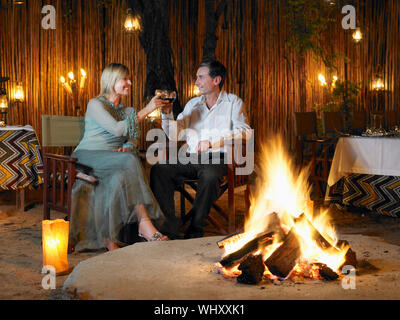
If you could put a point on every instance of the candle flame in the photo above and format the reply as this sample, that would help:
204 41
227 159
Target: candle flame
321 79
19 93
71 75
357 35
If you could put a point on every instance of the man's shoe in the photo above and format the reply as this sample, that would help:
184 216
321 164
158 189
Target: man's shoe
193 232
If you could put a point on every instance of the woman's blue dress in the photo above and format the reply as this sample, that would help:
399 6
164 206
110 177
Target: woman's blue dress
100 211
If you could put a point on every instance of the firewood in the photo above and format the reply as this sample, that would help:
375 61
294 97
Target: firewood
272 226
350 257
230 237
315 234
236 257
252 269
327 273
284 258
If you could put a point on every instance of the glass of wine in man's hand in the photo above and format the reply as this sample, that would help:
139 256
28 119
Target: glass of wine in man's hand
168 95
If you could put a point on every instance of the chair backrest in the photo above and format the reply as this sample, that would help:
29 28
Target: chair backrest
305 123
391 118
331 122
359 121
377 119
62 131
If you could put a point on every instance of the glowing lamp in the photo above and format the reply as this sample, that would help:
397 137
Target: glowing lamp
19 93
196 91
334 79
322 80
357 35
3 101
55 244
83 78
378 85
132 22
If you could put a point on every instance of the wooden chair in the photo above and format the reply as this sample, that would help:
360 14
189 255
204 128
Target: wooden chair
305 125
231 182
391 119
332 124
377 119
59 170
358 122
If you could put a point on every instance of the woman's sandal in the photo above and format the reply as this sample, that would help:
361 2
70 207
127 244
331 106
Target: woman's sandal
157 236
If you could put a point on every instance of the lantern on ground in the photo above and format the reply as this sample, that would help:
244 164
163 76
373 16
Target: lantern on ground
55 244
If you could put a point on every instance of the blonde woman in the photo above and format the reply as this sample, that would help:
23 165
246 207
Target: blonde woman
122 195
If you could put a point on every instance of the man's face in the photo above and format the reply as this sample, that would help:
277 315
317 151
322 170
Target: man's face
204 82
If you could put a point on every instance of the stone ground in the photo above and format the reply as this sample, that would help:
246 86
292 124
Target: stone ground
21 251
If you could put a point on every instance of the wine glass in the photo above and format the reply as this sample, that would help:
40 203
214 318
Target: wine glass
168 95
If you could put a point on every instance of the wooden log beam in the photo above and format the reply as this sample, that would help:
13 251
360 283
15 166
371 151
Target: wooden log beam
272 226
236 257
284 258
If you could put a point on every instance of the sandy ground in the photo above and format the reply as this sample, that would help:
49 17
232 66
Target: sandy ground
21 251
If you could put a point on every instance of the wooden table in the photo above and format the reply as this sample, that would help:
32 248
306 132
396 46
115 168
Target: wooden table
365 173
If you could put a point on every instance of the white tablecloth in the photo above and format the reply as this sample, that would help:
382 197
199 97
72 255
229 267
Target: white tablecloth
26 127
366 155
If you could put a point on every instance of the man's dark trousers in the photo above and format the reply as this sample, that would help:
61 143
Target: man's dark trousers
164 178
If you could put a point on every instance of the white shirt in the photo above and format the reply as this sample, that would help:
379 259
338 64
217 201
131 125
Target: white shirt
226 119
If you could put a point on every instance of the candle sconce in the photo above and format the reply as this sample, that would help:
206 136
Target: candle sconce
73 90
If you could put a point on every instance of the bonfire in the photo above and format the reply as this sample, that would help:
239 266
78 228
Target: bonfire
283 236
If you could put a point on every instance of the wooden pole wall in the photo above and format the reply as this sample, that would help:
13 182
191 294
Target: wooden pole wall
262 69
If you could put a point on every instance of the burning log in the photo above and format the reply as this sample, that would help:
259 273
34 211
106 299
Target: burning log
230 237
236 257
315 234
273 226
327 273
252 269
284 259
351 258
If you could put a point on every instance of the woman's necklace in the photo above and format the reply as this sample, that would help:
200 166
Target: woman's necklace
116 111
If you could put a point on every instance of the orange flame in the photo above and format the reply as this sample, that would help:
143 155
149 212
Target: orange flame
284 189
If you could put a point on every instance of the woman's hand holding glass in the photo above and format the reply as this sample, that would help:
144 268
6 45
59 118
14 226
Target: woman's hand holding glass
162 101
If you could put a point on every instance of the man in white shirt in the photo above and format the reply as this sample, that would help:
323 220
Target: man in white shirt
205 123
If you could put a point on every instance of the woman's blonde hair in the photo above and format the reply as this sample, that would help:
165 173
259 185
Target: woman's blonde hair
110 75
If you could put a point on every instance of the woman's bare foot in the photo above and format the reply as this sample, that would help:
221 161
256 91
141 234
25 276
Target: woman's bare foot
111 245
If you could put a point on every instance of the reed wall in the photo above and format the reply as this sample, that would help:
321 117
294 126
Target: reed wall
262 69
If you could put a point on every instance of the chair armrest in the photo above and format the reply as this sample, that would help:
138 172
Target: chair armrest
59 157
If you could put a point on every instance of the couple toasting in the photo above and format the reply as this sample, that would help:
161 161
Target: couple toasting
123 195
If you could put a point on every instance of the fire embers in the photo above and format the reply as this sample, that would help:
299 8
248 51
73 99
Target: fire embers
300 253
